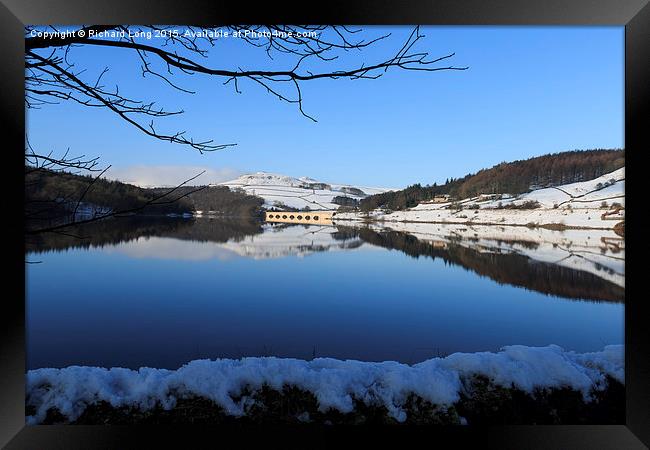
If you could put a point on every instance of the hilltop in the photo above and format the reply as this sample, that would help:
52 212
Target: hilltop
286 192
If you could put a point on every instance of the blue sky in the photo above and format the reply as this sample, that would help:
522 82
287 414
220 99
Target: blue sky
528 91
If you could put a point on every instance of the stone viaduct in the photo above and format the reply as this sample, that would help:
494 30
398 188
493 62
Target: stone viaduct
305 217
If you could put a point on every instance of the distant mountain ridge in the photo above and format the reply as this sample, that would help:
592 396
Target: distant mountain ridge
287 192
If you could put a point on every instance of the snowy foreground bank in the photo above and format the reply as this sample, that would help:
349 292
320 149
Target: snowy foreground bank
335 384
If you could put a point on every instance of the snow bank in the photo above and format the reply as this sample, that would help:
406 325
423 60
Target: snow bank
334 382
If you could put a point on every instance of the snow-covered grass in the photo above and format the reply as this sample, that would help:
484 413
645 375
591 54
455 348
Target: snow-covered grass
297 193
336 384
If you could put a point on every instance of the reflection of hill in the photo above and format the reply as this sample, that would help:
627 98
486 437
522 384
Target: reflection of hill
506 268
281 240
218 230
123 229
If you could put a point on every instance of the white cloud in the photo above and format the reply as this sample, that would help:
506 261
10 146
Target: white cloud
147 176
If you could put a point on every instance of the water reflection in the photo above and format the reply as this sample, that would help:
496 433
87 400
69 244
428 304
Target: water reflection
580 264
119 230
162 292
548 267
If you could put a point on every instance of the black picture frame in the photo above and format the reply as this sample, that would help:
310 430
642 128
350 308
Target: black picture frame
633 14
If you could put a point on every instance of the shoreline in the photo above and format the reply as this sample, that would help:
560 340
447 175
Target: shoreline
548 226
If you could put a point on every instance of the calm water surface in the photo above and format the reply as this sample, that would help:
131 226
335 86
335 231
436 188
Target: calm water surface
162 295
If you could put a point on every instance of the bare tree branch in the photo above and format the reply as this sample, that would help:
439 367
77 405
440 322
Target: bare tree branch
303 42
51 77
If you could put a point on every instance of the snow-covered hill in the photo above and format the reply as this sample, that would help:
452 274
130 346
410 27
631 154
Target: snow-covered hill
298 193
597 203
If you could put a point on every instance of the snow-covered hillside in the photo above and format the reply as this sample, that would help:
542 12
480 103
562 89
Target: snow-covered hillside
298 193
609 188
597 203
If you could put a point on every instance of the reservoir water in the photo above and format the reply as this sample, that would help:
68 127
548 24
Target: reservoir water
162 292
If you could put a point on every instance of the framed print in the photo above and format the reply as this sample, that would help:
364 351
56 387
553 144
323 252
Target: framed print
396 222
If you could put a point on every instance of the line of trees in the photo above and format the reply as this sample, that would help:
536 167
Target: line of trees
219 199
55 197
